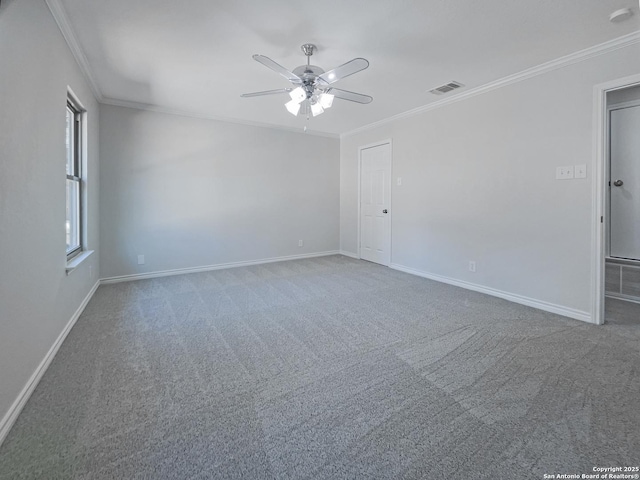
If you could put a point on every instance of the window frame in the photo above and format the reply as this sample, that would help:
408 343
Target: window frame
77 111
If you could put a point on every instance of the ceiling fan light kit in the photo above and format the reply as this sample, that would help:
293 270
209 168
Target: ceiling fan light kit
293 107
326 100
313 89
298 95
316 109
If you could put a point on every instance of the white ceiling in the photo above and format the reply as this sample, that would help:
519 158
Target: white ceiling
195 56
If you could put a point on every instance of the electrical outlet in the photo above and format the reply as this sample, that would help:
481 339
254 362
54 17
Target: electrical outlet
472 266
301 243
564 173
580 171
140 259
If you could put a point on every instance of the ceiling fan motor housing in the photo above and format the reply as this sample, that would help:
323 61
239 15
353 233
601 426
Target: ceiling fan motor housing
308 74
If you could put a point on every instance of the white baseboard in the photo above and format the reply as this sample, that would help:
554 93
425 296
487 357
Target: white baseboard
349 254
621 296
219 266
512 297
12 414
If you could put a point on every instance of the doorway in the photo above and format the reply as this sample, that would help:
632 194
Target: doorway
375 203
617 293
624 178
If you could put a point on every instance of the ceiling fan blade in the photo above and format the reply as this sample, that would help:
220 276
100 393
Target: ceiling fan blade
267 62
266 92
351 96
349 68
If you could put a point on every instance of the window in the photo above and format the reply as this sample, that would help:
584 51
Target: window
74 178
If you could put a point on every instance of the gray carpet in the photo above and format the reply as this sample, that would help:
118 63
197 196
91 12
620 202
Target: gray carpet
326 368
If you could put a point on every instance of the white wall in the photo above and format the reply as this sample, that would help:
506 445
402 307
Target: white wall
189 192
479 184
37 298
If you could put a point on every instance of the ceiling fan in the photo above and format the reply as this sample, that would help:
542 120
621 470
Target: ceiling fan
312 90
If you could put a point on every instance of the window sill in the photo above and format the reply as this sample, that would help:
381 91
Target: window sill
77 260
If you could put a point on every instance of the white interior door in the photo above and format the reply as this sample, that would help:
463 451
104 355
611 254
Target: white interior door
625 183
375 204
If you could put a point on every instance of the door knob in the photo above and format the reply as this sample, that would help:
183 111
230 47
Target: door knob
618 183
385 211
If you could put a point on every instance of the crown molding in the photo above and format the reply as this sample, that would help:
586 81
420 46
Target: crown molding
183 113
576 57
61 18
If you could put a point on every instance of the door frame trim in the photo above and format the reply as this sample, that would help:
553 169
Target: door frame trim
599 189
360 149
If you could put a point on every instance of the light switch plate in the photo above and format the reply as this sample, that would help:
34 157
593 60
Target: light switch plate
564 173
399 181
580 171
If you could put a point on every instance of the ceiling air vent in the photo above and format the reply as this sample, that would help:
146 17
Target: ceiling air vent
446 88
